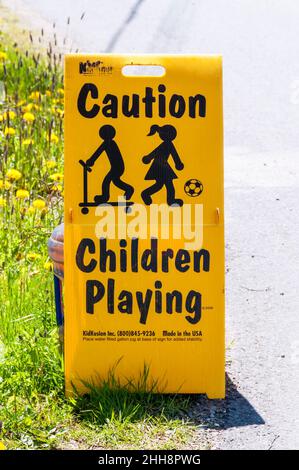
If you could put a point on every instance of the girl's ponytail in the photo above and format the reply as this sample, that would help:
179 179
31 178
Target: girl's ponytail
153 130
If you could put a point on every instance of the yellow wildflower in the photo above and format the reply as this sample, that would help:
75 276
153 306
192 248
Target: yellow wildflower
48 266
60 112
56 187
5 185
13 175
27 108
60 91
2 201
35 95
55 101
9 115
27 142
2 446
57 177
54 138
1 118
20 103
22 193
33 256
3 55
9 131
51 164
30 210
48 93
39 204
29 117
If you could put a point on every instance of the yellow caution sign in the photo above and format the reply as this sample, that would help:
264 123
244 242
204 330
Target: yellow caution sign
144 233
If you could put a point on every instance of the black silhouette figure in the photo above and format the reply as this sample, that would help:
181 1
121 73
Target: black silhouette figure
160 170
107 133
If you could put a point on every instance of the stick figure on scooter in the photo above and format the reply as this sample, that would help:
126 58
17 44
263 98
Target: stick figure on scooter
107 133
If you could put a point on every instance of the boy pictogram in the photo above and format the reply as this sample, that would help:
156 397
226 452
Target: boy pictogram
110 147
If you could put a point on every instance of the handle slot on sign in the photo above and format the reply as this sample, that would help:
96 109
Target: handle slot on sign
143 70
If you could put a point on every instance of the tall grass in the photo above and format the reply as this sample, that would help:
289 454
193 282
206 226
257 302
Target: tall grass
33 410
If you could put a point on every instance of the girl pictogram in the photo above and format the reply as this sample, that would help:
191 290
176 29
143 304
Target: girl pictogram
160 170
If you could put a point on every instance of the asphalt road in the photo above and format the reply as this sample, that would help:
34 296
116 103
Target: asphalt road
259 43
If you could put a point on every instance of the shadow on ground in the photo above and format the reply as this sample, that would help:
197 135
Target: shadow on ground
234 411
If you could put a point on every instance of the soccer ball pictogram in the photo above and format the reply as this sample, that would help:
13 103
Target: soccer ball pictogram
193 188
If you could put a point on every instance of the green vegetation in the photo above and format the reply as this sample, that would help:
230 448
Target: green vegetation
34 412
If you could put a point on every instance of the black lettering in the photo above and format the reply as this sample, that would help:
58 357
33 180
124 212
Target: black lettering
193 305
177 106
134 255
158 297
182 258
170 297
144 304
134 110
94 293
126 306
162 101
85 244
82 98
104 255
110 110
201 100
148 100
149 261
206 260
110 295
165 259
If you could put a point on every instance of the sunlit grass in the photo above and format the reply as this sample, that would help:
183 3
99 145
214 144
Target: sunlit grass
34 412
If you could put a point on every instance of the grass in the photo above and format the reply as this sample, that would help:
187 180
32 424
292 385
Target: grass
34 413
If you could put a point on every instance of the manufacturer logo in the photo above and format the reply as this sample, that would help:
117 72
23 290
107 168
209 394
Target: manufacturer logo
92 68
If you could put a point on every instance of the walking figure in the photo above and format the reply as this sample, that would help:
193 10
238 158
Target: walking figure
107 133
160 170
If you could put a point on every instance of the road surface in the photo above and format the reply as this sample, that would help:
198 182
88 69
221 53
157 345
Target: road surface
259 43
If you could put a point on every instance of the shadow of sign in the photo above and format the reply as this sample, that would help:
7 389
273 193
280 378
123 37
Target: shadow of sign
234 411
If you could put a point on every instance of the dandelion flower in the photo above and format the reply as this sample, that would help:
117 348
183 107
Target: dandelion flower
3 55
31 210
27 142
13 175
2 446
9 115
56 187
48 93
2 202
33 256
20 103
35 95
29 117
60 91
39 204
57 177
9 131
60 112
51 164
54 138
48 266
22 193
1 118
27 108
5 185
